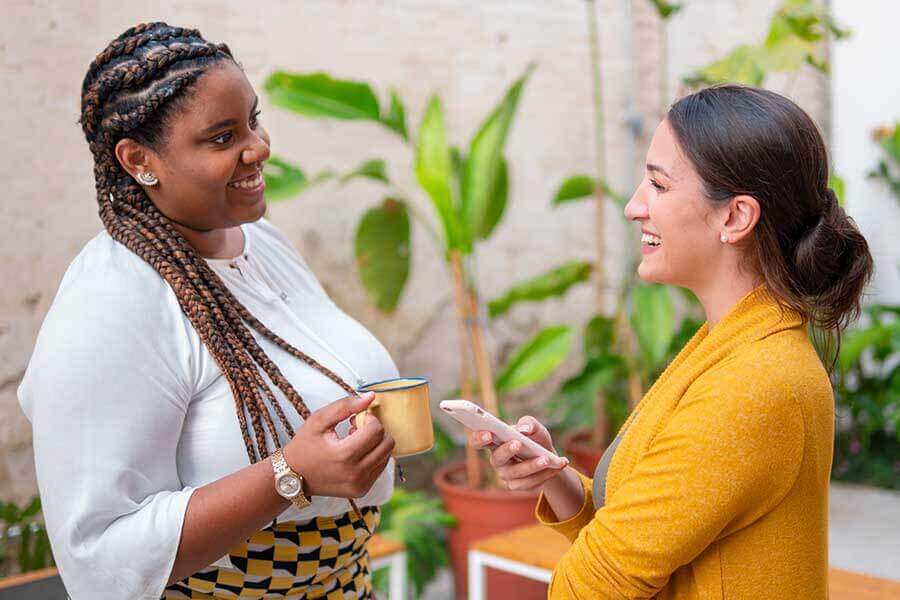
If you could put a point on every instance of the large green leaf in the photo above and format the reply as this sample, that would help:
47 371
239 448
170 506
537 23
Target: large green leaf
383 252
434 169
599 334
855 343
653 321
284 180
372 169
536 359
497 203
319 95
552 283
837 183
395 118
581 187
574 403
484 164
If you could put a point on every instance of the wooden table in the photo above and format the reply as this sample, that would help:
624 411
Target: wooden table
533 552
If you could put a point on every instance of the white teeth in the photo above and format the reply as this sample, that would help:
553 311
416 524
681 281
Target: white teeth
247 184
650 239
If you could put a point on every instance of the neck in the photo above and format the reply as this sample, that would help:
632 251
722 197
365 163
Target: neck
214 243
722 292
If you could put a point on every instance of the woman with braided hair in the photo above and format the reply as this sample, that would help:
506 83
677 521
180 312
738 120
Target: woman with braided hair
191 384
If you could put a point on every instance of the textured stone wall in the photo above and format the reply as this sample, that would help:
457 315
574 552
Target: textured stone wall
467 51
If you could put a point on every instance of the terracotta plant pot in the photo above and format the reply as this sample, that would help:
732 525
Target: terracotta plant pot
479 514
581 450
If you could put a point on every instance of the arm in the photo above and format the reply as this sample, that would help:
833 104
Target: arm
726 456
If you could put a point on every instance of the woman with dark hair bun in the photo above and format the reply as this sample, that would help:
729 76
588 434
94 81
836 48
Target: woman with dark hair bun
191 384
717 484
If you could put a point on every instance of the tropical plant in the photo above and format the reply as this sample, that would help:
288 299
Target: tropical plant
468 191
419 522
795 33
23 538
867 392
888 167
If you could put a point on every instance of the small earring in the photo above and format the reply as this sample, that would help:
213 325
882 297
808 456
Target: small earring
723 237
148 179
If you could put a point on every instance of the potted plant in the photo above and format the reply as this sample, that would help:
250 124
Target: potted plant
468 192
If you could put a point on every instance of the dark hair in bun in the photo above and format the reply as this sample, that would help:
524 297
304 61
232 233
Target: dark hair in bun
749 141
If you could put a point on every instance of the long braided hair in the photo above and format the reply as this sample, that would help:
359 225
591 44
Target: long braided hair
131 90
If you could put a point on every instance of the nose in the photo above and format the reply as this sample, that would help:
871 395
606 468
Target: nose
636 209
258 150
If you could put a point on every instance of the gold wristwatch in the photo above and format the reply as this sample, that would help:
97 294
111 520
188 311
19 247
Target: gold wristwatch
288 484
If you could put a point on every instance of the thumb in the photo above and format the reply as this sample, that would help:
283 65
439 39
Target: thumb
327 417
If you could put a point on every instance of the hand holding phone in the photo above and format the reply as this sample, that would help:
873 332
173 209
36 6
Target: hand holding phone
476 418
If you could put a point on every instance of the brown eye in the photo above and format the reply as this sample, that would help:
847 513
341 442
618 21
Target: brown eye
221 140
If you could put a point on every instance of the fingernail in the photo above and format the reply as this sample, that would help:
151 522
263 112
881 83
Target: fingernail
542 461
485 437
524 428
367 395
515 446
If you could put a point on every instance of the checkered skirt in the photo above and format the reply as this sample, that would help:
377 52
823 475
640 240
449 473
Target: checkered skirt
324 558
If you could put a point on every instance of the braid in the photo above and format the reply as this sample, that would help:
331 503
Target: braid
129 90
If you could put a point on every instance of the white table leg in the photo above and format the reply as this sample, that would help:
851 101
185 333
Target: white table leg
477 576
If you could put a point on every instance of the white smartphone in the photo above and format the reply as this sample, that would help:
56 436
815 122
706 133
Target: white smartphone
476 418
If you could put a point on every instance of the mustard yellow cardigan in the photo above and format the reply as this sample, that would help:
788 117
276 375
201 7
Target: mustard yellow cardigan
719 487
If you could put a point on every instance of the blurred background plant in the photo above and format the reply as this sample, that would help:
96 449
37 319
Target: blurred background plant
24 545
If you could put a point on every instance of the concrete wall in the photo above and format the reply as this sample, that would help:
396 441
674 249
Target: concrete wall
467 51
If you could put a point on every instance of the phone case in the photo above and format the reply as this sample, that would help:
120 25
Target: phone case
476 418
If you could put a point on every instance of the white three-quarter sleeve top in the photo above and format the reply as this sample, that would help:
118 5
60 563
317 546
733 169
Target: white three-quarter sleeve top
131 413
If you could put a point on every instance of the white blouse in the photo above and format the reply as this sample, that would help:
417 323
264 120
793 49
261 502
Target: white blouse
131 412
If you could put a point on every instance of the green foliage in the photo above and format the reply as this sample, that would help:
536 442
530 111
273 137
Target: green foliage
483 168
555 282
318 95
653 321
382 252
867 391
372 169
666 9
581 187
33 546
536 359
419 522
284 180
888 166
794 32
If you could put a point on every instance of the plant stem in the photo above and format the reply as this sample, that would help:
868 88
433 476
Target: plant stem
473 468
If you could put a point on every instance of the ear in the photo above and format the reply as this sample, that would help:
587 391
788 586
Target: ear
134 157
741 217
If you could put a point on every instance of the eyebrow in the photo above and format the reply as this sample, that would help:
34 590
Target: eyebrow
652 167
228 122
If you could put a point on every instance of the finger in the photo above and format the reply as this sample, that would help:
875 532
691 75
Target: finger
378 457
528 425
532 482
365 439
534 429
481 439
505 453
327 417
529 467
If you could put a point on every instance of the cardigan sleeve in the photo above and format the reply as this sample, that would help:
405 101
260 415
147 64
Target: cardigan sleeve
106 391
729 453
573 525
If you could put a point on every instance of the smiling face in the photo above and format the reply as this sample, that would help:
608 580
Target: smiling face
680 244
209 165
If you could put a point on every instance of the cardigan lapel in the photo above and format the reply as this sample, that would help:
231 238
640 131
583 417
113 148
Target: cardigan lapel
756 316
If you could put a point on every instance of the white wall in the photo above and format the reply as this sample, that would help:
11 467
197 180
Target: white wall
865 92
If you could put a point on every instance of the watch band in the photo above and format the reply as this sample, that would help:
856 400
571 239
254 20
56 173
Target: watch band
282 468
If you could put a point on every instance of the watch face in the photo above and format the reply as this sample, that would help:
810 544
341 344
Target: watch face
289 485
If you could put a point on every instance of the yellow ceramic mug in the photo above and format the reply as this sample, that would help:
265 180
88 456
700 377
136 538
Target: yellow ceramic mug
402 405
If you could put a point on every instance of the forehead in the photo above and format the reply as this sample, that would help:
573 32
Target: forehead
222 92
665 152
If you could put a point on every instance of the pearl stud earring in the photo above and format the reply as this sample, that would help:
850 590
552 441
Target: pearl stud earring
723 237
148 179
